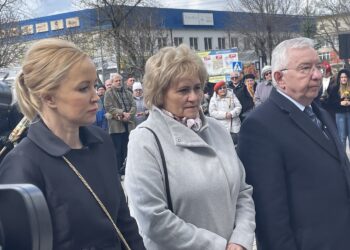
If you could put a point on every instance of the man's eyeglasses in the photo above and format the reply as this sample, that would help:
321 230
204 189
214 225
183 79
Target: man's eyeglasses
306 69
234 77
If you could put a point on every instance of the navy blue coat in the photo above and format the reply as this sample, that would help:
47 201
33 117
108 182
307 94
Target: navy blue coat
300 178
78 221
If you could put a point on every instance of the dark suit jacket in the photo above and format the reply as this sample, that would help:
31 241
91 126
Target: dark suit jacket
300 178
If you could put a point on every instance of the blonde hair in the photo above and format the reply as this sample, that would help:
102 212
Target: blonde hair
168 66
45 65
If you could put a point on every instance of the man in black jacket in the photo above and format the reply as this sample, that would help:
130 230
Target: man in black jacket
294 159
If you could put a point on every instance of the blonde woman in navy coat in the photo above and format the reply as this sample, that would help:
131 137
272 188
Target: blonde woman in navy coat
56 91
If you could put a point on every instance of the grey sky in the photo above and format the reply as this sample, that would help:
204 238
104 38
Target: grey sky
50 7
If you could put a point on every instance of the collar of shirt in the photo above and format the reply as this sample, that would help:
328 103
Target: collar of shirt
300 106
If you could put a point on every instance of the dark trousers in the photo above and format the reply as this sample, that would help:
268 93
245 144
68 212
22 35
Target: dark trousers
120 141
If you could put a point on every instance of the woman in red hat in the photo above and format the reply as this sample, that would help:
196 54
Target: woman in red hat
225 107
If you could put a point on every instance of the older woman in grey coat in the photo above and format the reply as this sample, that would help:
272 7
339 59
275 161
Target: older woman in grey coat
212 206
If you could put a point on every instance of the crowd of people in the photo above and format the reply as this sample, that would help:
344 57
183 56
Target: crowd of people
206 165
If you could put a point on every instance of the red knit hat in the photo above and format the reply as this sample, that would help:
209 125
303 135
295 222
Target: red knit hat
218 85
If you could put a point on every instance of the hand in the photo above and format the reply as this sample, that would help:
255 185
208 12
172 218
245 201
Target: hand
233 246
228 115
139 114
344 103
126 116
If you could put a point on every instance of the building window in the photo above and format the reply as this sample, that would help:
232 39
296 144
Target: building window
221 43
247 43
178 41
234 42
207 43
325 56
194 43
161 41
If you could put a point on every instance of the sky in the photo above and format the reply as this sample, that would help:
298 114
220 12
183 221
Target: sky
50 7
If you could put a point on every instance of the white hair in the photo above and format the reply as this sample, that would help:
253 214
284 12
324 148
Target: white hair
280 56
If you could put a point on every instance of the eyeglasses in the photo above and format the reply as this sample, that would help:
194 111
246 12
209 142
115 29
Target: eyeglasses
306 69
268 73
234 77
138 90
222 88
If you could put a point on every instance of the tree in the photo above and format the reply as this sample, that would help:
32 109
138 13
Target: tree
308 25
267 23
133 31
333 19
10 47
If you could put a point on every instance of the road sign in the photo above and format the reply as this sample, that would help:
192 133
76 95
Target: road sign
237 66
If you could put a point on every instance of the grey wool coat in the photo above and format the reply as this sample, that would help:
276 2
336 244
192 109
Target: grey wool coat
212 203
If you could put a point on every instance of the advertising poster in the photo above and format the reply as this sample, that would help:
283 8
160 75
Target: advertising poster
72 22
56 25
41 27
27 29
219 62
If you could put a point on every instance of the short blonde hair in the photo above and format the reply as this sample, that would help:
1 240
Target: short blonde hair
46 63
167 67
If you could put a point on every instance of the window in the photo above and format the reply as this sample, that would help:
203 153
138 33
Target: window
178 41
247 44
194 43
161 41
325 56
234 42
207 43
221 43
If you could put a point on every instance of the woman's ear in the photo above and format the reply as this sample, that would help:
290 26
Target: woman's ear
49 100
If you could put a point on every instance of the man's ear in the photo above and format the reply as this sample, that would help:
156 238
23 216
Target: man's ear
278 75
49 100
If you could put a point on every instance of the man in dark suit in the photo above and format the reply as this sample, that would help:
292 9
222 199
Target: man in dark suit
294 159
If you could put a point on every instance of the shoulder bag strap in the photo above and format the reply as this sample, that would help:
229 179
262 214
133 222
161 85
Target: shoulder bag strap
104 209
167 188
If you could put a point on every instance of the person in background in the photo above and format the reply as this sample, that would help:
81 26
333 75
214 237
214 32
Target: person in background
141 110
108 84
210 205
129 83
328 82
120 108
264 88
235 84
245 95
56 91
339 101
101 120
294 159
225 107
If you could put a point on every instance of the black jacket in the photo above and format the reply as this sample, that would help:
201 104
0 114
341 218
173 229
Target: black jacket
78 221
300 178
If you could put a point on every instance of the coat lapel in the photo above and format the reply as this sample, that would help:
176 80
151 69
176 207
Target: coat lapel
304 123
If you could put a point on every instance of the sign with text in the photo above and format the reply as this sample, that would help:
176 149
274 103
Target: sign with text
219 62
72 22
190 18
41 27
27 29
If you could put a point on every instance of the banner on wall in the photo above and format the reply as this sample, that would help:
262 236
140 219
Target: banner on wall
219 62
